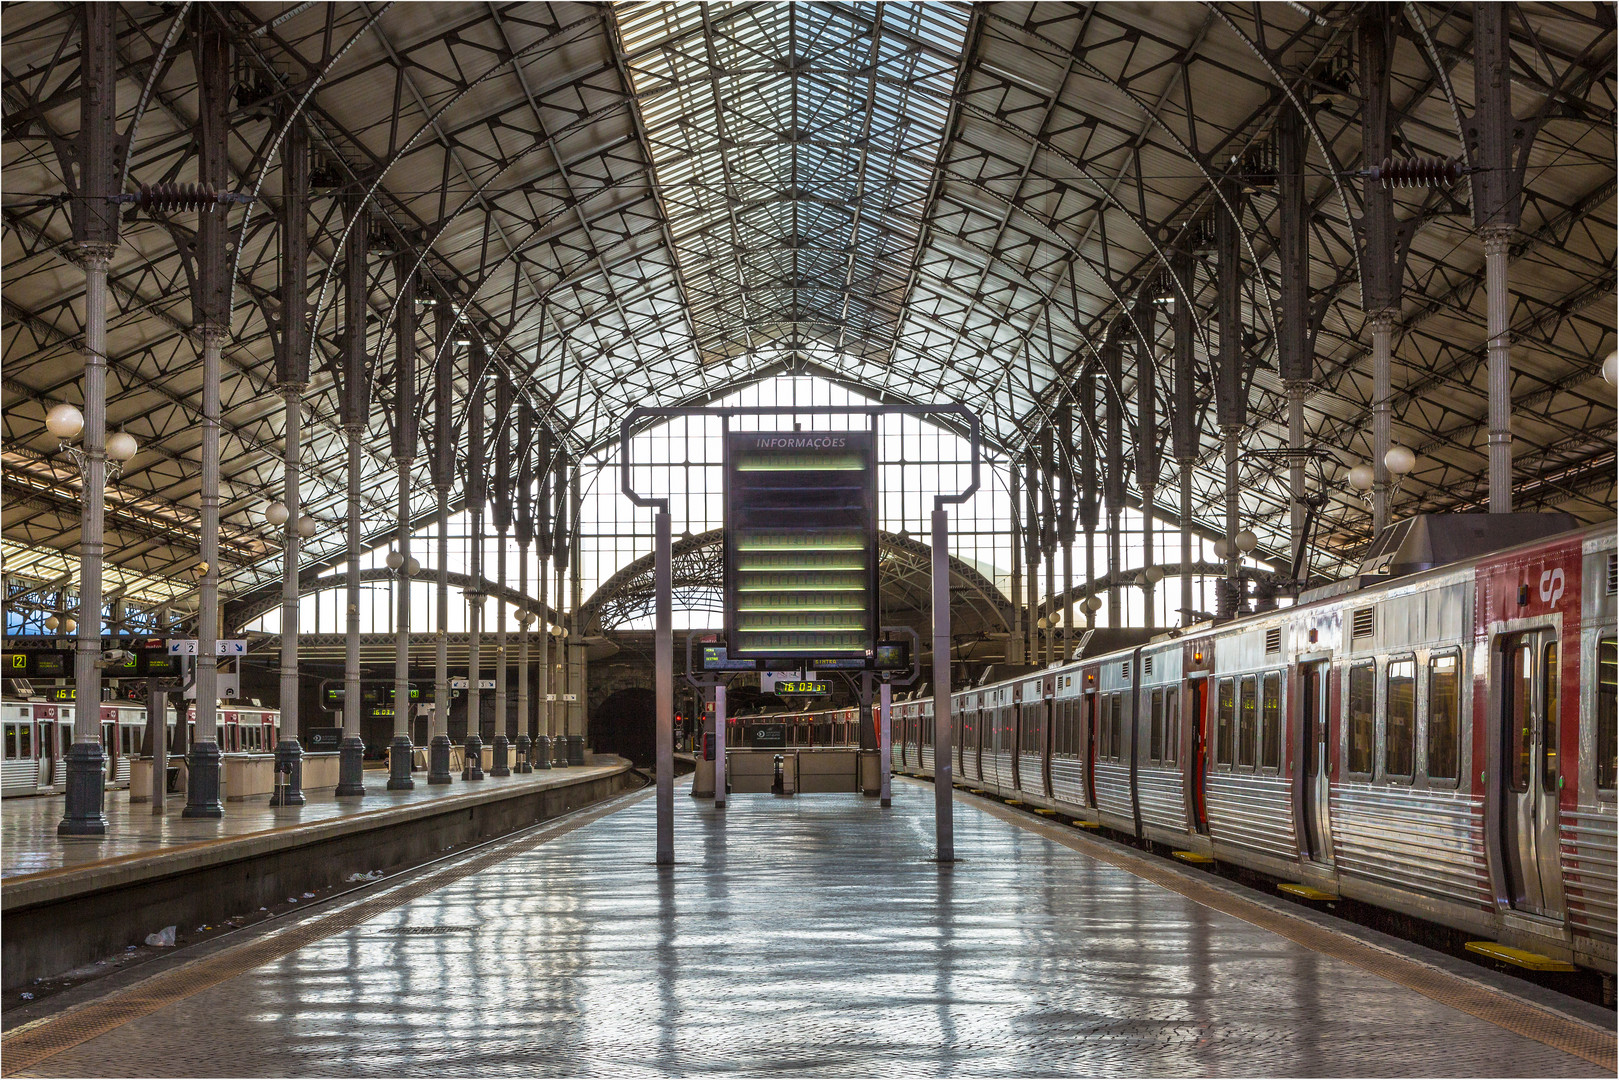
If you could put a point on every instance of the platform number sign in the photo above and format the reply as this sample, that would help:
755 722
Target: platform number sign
801 545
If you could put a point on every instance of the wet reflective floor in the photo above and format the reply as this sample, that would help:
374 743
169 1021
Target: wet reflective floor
804 936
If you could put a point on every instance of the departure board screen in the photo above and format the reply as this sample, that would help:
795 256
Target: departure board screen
801 545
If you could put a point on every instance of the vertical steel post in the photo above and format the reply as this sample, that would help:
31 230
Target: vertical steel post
1147 444
212 56
292 373
1088 506
1382 324
943 781
401 748
1183 418
443 473
1113 478
543 752
1293 335
1048 541
885 700
474 486
1031 544
578 684
1380 270
525 539
504 426
95 235
1497 144
1229 400
719 745
663 663
1065 523
1014 642
356 408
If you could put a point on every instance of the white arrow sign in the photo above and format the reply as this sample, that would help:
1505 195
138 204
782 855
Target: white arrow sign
182 646
231 647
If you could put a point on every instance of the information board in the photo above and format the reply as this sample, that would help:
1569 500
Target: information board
802 688
801 545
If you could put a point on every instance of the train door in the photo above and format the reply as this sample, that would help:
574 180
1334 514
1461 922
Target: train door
1529 779
1091 723
1197 762
1312 786
47 743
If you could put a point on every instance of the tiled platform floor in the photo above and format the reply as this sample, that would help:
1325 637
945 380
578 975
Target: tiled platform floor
808 936
29 844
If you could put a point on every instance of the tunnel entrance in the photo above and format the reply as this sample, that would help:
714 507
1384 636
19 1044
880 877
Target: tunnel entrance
623 725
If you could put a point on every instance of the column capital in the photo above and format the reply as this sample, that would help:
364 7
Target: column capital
1383 318
93 253
1497 237
212 333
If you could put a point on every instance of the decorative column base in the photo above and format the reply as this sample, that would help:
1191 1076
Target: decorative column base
524 765
498 759
399 752
438 760
559 751
474 766
576 749
289 768
542 753
202 782
86 791
351 768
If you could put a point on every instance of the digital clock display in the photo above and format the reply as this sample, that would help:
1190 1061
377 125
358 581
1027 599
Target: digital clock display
802 688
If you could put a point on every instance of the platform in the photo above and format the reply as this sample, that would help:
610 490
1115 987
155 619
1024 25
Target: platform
807 936
68 902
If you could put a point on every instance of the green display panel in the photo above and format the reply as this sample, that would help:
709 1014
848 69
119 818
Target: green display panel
802 688
801 545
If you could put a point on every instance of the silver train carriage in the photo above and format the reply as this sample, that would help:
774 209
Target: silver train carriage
1443 744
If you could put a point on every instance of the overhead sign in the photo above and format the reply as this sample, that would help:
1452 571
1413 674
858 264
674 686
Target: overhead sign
38 664
461 684
801 545
715 658
182 646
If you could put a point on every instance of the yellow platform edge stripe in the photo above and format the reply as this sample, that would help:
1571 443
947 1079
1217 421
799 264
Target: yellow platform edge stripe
1193 857
1523 958
1305 891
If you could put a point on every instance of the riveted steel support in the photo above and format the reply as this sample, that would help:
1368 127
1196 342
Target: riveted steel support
561 549
1048 541
525 540
95 232
1014 642
1382 326
1065 522
292 374
1293 352
1231 406
1113 475
1031 545
720 783
944 826
443 470
1183 421
209 303
663 681
885 763
543 752
1088 504
475 486
1498 145
400 749
577 680
504 428
1380 285
356 399
1147 440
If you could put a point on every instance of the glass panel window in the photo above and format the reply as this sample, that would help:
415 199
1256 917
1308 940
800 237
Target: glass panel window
11 741
1519 699
1172 725
1444 717
1247 724
1225 720
1270 722
1399 738
1362 698
1607 711
25 741
1118 727
1551 675
1155 752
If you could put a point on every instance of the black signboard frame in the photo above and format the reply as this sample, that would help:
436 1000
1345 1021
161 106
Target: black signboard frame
795 490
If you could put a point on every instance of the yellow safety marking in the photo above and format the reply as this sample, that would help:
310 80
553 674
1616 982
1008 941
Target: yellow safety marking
1196 857
27 1045
1305 891
1597 1045
1043 811
1078 824
1013 802
976 790
1523 958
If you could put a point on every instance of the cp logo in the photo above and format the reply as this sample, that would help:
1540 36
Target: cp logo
1551 585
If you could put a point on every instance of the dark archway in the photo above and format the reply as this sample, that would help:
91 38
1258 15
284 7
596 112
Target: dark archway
622 725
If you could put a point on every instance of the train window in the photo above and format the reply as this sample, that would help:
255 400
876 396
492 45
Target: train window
1155 749
1519 698
1270 722
1172 724
1399 738
1362 716
1607 711
1118 727
1104 727
11 741
1549 717
1444 727
25 740
1247 724
1224 721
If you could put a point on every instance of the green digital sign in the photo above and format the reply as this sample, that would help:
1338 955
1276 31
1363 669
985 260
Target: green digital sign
802 688
801 545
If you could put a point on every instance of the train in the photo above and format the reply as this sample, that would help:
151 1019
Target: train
37 735
1440 744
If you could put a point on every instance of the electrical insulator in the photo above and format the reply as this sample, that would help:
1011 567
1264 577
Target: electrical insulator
171 197
1416 172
